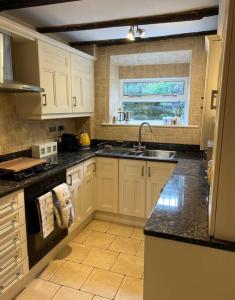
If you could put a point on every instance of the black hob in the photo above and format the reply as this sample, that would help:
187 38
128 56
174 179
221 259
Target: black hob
17 176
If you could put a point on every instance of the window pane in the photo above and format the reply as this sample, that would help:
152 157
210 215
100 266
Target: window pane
147 88
154 110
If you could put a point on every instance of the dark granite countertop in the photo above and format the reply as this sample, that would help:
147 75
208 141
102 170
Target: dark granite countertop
180 214
65 161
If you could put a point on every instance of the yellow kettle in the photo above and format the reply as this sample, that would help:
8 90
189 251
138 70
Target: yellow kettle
84 139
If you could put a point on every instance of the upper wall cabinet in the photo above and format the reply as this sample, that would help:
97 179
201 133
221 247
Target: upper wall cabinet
82 76
67 78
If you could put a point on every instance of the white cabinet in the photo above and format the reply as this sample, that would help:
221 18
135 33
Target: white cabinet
74 181
88 187
107 184
132 187
54 64
157 176
13 244
68 80
82 74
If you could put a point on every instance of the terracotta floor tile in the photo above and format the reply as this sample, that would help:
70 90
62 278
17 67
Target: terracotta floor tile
131 289
119 229
103 283
97 225
129 265
101 258
99 239
71 275
125 245
66 293
39 289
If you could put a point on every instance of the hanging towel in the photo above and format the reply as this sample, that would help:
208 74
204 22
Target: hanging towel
63 207
46 214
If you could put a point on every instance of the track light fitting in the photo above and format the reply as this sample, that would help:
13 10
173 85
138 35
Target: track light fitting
132 33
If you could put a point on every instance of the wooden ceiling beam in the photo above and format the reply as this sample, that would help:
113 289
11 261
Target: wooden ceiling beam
190 15
113 42
16 4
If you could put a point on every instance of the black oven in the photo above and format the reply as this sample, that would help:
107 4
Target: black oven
38 247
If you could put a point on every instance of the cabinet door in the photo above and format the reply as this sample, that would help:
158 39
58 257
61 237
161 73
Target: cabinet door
75 181
132 187
88 188
107 184
54 65
76 81
157 176
82 72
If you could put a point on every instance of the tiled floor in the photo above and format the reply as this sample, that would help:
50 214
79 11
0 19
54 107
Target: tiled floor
105 261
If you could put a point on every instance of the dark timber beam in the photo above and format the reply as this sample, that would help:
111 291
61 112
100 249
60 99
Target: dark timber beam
14 4
114 42
189 15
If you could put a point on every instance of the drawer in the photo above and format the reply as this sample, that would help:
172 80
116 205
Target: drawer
11 203
12 221
11 257
15 237
75 176
17 273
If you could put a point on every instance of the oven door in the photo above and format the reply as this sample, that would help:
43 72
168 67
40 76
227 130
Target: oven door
38 247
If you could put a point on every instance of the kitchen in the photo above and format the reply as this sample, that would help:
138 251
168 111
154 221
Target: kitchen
116 149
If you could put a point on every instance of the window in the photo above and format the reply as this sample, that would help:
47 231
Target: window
152 99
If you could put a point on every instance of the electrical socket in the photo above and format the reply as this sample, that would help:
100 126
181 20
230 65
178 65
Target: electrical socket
51 128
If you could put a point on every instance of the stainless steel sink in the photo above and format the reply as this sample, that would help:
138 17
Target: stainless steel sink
164 154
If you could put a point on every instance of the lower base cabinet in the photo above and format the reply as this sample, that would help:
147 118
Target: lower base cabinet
132 187
107 184
157 176
81 181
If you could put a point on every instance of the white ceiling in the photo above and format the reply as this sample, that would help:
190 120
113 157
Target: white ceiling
100 10
157 58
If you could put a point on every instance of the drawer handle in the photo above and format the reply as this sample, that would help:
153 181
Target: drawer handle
44 96
74 101
142 172
149 171
71 179
9 228
13 279
9 208
9 248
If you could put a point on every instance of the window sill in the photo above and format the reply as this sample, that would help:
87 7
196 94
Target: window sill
136 124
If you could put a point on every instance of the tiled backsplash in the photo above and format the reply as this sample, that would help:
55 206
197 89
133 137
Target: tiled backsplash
17 134
160 134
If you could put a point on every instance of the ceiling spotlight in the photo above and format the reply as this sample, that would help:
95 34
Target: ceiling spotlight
131 34
140 32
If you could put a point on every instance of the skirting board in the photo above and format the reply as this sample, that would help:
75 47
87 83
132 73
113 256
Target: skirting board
122 219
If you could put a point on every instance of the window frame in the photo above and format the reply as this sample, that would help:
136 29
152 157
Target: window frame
155 98
161 98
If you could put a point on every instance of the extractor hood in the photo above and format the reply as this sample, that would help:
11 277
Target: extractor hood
7 82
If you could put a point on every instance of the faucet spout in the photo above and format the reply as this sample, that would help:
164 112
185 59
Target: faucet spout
140 133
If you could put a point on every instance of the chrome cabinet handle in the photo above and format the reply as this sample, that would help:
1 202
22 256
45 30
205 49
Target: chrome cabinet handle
44 96
74 101
142 172
71 179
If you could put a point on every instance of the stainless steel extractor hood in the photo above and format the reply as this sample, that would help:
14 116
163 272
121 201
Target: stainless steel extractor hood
7 82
